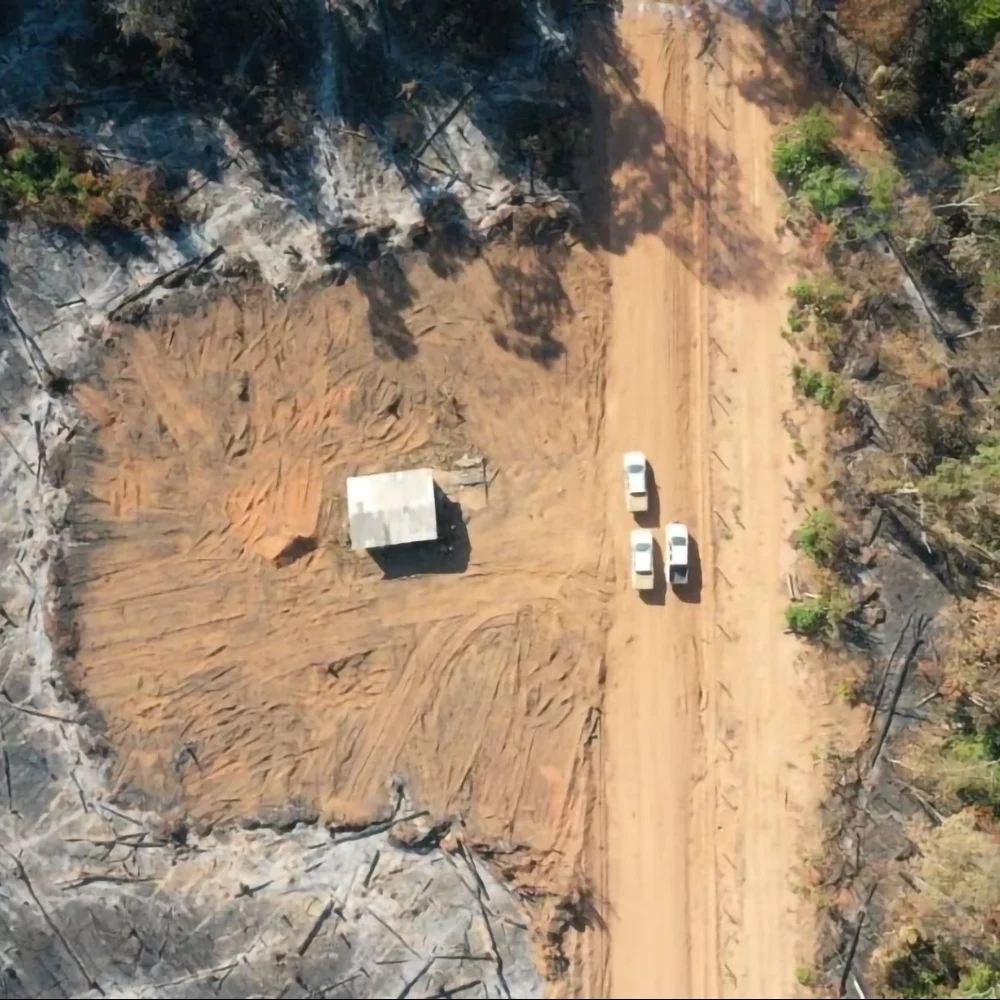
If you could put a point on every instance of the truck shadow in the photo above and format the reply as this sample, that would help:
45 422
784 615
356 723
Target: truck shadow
448 553
658 595
690 592
650 517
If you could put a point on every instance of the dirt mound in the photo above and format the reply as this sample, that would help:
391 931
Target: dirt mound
243 657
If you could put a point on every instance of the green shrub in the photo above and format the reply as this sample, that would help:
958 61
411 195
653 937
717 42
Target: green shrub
827 188
881 186
805 293
824 298
804 145
818 536
979 980
987 121
936 968
839 603
963 503
59 182
848 691
964 479
922 969
981 162
981 745
990 282
807 380
896 104
805 161
31 174
808 617
977 20
804 976
823 387
971 766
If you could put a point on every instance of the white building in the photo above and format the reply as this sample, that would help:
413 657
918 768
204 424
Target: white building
392 508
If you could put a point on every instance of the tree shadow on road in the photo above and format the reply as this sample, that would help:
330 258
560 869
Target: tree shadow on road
529 282
647 177
616 213
778 82
446 239
641 177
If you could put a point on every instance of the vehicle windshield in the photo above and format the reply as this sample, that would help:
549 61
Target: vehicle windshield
678 540
642 546
635 468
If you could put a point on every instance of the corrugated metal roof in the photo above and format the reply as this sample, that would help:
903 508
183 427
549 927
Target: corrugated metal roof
391 508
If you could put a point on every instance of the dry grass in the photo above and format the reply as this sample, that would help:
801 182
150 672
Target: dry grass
952 767
869 275
945 923
924 420
955 758
915 359
881 25
958 874
918 220
971 660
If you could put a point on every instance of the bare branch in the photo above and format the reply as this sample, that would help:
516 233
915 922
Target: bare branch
979 329
973 200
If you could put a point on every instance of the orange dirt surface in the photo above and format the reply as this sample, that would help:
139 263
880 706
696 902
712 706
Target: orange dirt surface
710 714
242 656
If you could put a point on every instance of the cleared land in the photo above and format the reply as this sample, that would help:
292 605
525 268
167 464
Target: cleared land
243 657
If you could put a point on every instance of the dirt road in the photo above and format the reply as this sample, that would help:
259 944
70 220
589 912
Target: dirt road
707 762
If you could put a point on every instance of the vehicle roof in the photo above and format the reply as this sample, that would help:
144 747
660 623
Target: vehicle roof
640 535
635 458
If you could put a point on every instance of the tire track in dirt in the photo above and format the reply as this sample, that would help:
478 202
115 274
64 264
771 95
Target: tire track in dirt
768 786
654 868
703 849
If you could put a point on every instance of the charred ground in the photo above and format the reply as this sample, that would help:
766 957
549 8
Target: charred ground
898 343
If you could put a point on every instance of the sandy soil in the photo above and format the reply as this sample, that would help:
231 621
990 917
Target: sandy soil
242 656
707 763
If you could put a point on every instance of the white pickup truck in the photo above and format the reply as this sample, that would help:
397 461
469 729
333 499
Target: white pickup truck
636 492
677 553
642 559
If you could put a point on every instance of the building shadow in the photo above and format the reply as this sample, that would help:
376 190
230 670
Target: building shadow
658 595
448 553
690 592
